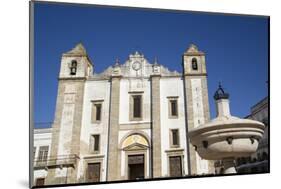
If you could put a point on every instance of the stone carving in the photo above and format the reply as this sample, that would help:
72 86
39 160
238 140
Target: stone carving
128 68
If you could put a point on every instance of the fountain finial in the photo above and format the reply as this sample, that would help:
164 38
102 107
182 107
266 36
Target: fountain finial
220 93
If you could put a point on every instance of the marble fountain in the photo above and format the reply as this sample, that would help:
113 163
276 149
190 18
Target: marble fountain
226 137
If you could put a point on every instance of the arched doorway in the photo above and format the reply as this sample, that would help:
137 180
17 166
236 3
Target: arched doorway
135 149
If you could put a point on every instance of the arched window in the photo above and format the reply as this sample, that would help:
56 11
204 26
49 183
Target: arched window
73 67
194 64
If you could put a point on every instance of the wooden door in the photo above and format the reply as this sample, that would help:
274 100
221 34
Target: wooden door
40 182
175 166
94 172
136 167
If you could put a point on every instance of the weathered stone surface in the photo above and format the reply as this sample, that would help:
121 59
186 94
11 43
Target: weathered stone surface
113 160
156 126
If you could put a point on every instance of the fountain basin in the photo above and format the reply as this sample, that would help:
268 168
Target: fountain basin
226 137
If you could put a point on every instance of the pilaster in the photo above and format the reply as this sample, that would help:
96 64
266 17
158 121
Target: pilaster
113 171
156 126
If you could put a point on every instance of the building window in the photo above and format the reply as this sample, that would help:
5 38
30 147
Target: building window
95 143
173 107
96 111
73 67
137 106
194 64
43 153
174 138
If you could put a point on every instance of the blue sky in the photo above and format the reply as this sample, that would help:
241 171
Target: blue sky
236 47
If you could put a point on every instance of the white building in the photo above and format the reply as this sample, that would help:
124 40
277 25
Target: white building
259 161
128 122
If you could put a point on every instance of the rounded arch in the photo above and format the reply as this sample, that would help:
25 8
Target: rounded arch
194 64
134 132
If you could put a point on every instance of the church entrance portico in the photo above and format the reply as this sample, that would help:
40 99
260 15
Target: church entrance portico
135 150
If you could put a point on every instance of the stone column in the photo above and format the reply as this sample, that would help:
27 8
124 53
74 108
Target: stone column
113 161
156 126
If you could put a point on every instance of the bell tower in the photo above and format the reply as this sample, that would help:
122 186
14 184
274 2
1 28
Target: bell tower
75 64
75 68
196 103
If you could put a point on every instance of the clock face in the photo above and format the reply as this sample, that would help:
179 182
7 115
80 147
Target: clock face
136 65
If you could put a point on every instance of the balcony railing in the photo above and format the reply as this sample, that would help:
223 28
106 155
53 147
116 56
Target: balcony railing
62 160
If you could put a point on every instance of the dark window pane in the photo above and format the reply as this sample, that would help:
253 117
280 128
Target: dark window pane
175 137
137 106
174 108
98 112
97 142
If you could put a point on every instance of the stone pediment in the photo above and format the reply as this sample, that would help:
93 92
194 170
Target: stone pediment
78 50
193 50
135 142
135 146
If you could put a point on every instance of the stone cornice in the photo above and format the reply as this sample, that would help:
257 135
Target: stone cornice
42 131
155 75
116 76
196 74
194 54
73 78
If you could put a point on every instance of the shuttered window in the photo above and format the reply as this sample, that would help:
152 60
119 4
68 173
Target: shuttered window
43 153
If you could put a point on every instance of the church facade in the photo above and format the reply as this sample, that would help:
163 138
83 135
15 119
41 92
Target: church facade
129 122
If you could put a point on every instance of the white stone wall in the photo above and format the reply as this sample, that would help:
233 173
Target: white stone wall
172 87
133 85
42 137
67 121
94 90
